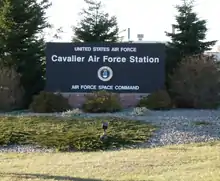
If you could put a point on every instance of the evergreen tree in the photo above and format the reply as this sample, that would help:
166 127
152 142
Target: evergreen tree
22 23
96 25
189 36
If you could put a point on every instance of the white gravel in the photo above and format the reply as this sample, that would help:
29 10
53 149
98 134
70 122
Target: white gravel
25 149
179 127
176 127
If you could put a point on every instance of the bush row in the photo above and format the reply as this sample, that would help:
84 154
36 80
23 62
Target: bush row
97 102
195 84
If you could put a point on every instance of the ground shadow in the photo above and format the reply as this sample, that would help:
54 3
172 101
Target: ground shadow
45 176
179 149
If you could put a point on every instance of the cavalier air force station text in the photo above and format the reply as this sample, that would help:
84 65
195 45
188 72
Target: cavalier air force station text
104 59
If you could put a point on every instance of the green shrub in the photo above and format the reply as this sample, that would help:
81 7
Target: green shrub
102 101
75 134
47 102
158 100
11 92
196 83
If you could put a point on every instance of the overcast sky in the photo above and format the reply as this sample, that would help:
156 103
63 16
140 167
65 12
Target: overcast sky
148 17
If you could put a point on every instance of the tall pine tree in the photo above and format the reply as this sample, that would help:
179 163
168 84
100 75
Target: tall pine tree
96 25
21 24
189 36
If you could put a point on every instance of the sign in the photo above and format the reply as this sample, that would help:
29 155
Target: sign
115 67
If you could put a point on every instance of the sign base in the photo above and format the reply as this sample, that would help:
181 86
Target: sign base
128 100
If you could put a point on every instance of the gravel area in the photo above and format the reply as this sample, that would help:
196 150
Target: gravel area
185 126
24 149
176 127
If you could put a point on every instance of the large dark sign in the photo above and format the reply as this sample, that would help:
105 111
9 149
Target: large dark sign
116 67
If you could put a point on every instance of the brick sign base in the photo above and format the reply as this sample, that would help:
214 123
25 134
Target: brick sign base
76 100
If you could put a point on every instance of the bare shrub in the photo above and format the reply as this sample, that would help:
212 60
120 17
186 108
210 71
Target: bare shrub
101 102
195 83
48 102
11 92
158 100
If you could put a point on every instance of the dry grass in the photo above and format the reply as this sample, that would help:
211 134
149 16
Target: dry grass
198 162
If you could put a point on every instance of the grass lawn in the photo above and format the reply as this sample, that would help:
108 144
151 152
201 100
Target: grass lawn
78 134
198 162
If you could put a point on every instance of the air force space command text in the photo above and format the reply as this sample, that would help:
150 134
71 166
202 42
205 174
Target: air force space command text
104 59
105 87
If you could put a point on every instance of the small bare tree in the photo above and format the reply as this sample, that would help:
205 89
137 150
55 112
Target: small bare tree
11 93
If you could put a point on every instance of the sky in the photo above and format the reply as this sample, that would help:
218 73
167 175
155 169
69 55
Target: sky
149 17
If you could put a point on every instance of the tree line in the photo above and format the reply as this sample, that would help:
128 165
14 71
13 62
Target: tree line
22 38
